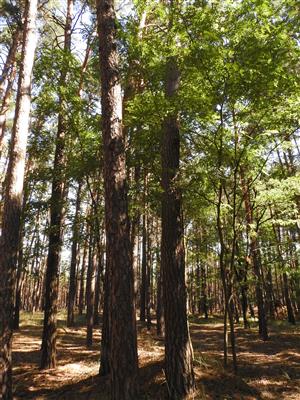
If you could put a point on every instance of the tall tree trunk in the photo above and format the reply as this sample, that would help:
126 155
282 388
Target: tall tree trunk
148 274
19 284
178 347
20 268
135 227
9 241
255 259
122 324
81 299
98 284
143 288
90 288
226 278
105 336
7 78
48 356
74 251
286 288
160 322
270 294
262 318
5 102
203 291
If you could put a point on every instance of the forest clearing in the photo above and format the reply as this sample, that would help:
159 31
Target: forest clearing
150 199
266 370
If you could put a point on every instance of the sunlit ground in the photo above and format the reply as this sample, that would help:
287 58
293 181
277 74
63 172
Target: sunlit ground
268 370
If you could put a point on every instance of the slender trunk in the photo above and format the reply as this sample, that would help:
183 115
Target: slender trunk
90 289
148 280
81 302
270 294
7 78
135 256
19 284
204 309
96 315
11 56
286 289
5 103
123 358
198 281
160 323
244 302
178 347
9 241
135 225
262 318
290 311
48 353
296 267
105 336
74 251
256 261
144 272
20 268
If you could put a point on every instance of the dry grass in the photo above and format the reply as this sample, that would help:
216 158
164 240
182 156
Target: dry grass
267 371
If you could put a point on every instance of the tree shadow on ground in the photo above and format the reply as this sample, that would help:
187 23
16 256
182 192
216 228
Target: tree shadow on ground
271 368
267 370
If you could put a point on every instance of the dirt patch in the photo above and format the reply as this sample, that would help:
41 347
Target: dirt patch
267 370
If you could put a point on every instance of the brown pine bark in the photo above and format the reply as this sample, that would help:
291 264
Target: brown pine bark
99 279
143 288
105 334
48 351
178 347
81 299
134 234
5 102
90 289
7 78
149 276
20 268
9 241
160 323
204 309
74 251
122 326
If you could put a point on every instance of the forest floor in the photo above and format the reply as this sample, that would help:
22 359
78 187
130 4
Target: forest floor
267 370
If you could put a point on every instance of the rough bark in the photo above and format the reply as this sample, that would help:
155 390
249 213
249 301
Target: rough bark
7 78
5 102
178 347
122 325
9 241
48 354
